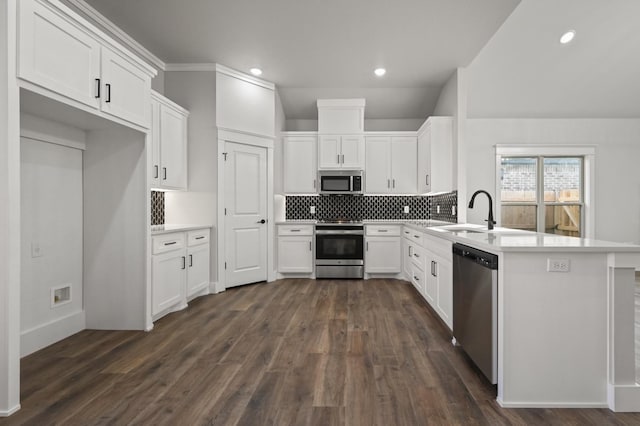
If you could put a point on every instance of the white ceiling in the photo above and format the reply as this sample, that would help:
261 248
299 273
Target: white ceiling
322 49
525 72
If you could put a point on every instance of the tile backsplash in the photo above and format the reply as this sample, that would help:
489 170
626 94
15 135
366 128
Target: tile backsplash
371 207
157 208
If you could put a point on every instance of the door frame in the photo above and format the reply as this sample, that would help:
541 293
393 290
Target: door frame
225 136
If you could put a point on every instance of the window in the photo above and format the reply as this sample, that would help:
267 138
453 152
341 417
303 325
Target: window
543 193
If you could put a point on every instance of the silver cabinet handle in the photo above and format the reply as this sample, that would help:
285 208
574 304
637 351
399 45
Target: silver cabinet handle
427 180
410 253
310 248
416 236
314 184
406 232
416 255
383 230
388 183
342 158
435 269
296 230
199 238
184 262
338 158
416 278
367 245
171 243
190 260
393 181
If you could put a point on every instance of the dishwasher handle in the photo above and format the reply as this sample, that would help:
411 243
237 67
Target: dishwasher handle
483 258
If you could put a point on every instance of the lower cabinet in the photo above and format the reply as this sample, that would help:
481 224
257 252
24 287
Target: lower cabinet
295 249
180 269
428 264
382 253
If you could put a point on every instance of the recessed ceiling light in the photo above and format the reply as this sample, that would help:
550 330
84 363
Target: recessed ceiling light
567 37
256 71
380 72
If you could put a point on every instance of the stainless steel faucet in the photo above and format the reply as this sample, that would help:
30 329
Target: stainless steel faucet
489 220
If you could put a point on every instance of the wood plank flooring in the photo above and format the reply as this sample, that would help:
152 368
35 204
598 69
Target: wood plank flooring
293 352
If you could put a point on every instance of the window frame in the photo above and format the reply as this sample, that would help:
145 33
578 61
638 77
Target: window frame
586 152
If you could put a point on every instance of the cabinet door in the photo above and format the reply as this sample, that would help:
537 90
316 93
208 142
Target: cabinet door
377 165
168 277
404 153
126 89
300 169
424 160
382 255
407 252
352 151
441 154
444 280
295 254
197 268
57 55
173 148
329 152
431 284
154 171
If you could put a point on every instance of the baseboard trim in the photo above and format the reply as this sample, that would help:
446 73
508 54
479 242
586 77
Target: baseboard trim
215 288
7 413
551 404
624 398
47 334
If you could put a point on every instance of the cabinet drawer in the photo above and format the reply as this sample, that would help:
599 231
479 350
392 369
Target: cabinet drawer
418 256
295 229
383 230
197 237
415 236
168 242
418 278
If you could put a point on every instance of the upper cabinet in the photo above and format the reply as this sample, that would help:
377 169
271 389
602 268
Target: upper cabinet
341 152
169 144
391 164
341 116
435 155
300 163
64 55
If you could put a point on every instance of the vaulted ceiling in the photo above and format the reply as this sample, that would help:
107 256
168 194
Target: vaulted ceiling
322 49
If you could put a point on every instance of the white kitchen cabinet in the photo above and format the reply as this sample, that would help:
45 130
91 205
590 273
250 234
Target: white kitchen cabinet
169 144
300 164
443 270
180 269
391 164
435 156
341 152
340 116
68 57
295 249
382 249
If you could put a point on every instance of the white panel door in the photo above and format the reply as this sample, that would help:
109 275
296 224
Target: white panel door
404 164
246 213
424 160
329 152
377 165
154 173
173 148
197 268
352 149
127 90
300 165
58 55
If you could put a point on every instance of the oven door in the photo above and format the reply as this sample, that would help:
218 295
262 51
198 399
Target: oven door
345 247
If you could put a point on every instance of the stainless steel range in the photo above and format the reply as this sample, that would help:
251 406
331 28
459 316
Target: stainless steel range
339 249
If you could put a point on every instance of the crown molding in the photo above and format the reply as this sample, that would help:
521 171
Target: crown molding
113 29
190 67
245 77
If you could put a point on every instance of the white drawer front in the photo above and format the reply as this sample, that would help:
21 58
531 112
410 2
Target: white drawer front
439 246
418 256
418 279
295 229
383 230
168 242
198 237
415 236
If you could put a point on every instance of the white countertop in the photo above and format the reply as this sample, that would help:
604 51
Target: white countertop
165 229
511 240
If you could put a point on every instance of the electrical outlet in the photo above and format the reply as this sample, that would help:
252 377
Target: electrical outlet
312 209
453 210
36 251
558 265
406 209
438 209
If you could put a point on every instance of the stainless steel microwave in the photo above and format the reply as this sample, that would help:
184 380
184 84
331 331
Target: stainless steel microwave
340 182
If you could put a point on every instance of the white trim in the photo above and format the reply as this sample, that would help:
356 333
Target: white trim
42 130
123 37
545 150
523 404
41 336
7 413
341 103
407 133
624 398
244 77
168 102
195 67
245 138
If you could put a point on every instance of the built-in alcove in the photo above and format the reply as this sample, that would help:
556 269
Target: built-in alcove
85 209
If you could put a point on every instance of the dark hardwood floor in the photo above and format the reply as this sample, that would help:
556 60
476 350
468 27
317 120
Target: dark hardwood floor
293 352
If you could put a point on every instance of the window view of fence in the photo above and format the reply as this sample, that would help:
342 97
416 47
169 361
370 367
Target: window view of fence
542 194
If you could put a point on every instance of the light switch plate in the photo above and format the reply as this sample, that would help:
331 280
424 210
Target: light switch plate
406 209
312 209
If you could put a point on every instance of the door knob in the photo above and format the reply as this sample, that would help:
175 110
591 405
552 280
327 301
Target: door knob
261 221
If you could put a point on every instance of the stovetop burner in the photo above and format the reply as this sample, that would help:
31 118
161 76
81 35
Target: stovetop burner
340 221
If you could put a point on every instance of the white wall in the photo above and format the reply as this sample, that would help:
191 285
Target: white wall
51 205
617 141
196 91
447 104
278 154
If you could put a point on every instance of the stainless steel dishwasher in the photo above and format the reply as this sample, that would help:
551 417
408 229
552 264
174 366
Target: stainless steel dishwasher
475 307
